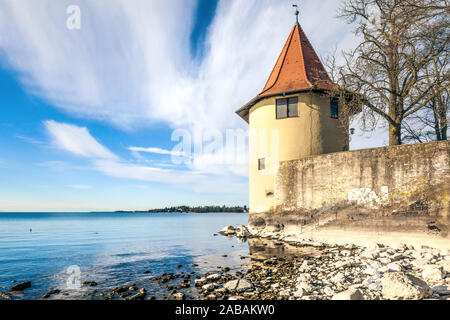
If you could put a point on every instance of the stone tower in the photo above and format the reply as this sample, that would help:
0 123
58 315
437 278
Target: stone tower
292 118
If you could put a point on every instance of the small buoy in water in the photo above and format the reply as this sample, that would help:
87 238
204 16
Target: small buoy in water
31 230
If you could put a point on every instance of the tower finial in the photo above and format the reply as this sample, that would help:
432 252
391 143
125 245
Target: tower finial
296 11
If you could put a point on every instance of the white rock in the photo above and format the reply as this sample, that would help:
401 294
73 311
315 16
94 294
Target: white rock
236 298
445 265
231 285
305 286
338 278
328 291
395 266
372 251
179 296
420 263
242 232
200 282
304 277
240 285
299 293
285 293
371 270
244 286
209 287
432 273
305 267
342 264
213 277
374 286
350 294
399 286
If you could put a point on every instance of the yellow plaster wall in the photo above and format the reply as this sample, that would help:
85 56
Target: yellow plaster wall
314 132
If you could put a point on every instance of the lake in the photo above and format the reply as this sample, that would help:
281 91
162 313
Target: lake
61 250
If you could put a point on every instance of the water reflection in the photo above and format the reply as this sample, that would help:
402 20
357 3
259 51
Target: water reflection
262 249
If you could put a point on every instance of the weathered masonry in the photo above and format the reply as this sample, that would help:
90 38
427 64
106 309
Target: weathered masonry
398 192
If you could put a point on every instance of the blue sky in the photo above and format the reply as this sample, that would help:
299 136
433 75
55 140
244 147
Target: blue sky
87 115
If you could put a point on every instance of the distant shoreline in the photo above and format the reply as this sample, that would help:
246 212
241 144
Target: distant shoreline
187 209
169 210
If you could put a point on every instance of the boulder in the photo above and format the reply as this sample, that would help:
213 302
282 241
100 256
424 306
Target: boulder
442 290
179 296
236 298
90 283
343 264
200 282
445 265
432 273
213 277
286 293
240 285
338 278
305 267
305 277
305 286
209 287
50 293
244 286
328 291
299 293
242 232
350 294
395 266
372 251
228 230
5 296
20 286
139 296
399 286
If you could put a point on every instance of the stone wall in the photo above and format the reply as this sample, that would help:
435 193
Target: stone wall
400 190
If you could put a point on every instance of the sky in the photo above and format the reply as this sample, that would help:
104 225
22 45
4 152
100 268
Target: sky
129 104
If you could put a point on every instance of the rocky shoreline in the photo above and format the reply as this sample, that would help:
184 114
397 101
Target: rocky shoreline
286 269
348 272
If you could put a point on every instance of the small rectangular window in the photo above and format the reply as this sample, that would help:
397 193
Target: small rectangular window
262 164
334 109
281 108
293 107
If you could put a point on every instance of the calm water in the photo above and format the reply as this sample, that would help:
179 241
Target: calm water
111 249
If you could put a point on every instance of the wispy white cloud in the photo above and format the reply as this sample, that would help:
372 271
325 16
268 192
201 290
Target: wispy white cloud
79 141
29 139
156 151
130 63
76 140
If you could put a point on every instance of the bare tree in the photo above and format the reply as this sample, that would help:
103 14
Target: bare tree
431 123
388 70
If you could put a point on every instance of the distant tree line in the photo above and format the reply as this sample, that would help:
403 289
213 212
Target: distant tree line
201 209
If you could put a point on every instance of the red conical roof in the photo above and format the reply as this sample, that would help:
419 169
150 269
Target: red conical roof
297 69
